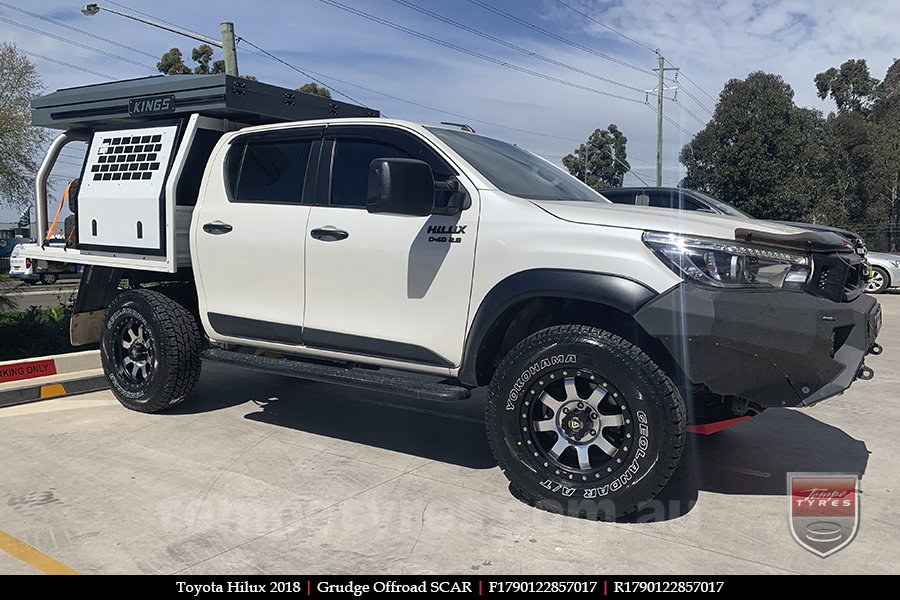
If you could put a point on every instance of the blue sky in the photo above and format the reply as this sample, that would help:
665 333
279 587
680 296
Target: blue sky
712 41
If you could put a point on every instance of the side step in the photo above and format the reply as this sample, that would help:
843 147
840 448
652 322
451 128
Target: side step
358 378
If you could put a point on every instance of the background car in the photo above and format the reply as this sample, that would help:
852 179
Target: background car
669 197
688 199
33 271
885 272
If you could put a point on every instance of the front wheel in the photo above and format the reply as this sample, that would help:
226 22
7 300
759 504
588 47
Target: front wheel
584 423
878 282
150 350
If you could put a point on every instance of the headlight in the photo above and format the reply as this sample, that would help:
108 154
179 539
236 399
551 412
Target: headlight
723 263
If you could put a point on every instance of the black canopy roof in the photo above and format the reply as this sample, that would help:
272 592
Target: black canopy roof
125 103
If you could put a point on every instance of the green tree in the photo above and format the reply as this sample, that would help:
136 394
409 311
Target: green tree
850 86
602 161
313 88
862 156
172 63
20 143
202 55
760 151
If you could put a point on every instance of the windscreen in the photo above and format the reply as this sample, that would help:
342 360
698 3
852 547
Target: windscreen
516 171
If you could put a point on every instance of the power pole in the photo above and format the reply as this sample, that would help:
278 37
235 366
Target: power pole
660 88
229 48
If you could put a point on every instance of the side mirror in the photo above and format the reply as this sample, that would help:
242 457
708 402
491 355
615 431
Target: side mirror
457 198
400 186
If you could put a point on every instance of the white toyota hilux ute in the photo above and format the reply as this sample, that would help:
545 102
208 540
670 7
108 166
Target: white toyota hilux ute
430 261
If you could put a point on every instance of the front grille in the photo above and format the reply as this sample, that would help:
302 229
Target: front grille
838 277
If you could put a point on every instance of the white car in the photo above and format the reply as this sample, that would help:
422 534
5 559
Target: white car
34 271
885 272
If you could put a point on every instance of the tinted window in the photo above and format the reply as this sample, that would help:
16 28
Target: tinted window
350 169
621 196
722 207
663 200
514 170
268 171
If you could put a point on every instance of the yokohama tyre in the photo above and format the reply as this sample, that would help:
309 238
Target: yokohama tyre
584 423
150 349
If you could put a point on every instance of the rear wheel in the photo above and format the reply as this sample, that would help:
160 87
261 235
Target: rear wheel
879 281
584 423
48 278
150 350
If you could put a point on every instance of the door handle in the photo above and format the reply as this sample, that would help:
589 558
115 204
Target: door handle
329 234
217 228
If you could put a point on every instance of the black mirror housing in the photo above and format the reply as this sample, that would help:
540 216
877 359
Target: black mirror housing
400 186
455 197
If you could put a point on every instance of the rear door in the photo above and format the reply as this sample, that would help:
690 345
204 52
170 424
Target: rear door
248 237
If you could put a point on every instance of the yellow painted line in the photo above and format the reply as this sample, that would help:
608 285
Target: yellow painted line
33 557
52 390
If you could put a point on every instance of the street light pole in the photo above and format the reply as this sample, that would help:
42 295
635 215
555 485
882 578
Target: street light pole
227 44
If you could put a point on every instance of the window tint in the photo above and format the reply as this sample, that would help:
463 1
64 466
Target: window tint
268 171
514 170
350 169
663 200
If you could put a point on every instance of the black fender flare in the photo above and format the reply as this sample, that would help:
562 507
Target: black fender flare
616 291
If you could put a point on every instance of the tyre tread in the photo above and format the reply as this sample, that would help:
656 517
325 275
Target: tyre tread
181 346
551 335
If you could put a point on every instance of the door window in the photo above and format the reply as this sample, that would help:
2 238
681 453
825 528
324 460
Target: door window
350 170
268 171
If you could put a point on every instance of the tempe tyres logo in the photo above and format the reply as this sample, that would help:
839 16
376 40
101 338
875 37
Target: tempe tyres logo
823 510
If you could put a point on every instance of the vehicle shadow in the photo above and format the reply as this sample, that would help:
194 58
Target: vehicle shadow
752 458
446 432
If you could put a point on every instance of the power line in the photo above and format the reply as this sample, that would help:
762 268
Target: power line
134 10
558 38
512 46
299 70
473 53
66 64
671 121
627 166
605 26
76 29
696 85
467 118
639 43
309 73
74 43
688 112
687 93
65 162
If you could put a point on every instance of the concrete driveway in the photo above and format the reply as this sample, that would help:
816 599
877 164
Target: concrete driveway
264 474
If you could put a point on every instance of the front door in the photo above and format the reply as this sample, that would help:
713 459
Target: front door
381 285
